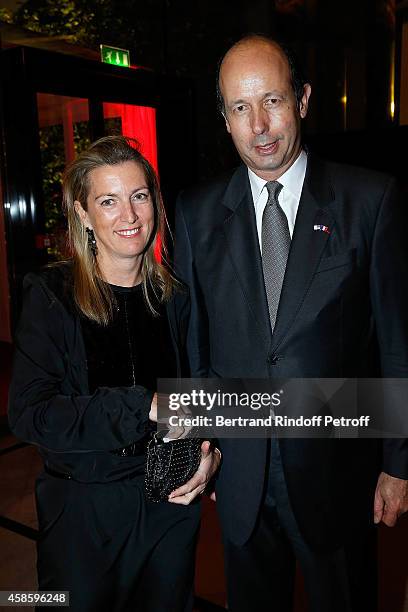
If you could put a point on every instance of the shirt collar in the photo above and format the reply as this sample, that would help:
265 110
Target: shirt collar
292 179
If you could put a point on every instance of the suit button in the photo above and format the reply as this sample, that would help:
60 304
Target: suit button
271 360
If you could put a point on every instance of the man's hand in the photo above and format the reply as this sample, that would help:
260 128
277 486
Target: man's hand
390 500
210 461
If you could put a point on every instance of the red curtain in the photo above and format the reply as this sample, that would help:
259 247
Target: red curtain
138 122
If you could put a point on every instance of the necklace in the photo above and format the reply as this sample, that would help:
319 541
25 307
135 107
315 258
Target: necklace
132 361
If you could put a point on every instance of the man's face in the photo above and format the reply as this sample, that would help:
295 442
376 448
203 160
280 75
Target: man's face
261 113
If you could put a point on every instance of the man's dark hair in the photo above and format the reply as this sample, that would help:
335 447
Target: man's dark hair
298 78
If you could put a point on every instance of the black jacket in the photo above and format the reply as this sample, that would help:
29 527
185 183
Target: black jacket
49 401
345 293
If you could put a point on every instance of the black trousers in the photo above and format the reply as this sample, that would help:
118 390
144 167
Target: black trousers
113 550
261 574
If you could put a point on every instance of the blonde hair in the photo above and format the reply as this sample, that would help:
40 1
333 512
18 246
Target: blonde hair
92 294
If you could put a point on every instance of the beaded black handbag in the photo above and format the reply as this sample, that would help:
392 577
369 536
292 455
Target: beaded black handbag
170 465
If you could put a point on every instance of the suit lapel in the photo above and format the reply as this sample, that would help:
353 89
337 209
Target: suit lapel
307 246
240 231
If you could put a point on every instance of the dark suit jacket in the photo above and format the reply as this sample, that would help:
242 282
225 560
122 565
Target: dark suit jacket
344 294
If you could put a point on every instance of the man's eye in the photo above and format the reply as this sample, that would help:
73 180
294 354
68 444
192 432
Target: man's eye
240 108
272 101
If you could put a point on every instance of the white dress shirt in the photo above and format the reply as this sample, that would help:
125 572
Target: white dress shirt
289 197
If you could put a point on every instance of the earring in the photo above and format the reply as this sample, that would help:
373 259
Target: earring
91 241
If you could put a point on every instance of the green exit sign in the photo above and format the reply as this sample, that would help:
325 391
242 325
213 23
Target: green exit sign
115 56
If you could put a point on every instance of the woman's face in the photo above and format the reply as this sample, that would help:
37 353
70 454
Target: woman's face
120 212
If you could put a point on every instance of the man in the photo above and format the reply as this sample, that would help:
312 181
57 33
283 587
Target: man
296 268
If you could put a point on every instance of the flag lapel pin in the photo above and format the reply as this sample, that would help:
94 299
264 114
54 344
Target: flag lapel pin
321 228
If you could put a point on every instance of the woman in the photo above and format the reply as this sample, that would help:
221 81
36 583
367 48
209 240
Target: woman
93 338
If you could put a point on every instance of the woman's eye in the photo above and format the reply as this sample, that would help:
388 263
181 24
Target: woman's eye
141 196
108 202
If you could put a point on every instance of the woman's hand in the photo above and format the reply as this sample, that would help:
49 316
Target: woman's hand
153 409
175 432
209 464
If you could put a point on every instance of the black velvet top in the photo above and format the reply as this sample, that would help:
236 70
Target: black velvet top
59 355
134 349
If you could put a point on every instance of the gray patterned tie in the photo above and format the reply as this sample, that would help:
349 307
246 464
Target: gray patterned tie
275 248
